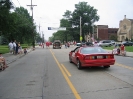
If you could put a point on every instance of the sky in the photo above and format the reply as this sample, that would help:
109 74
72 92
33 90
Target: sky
48 13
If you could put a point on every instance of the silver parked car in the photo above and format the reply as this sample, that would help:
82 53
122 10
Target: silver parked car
105 43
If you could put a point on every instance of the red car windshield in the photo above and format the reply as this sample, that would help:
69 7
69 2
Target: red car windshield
92 50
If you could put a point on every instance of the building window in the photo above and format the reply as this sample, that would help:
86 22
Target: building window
124 27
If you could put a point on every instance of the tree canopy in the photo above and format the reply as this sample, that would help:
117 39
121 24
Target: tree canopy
18 24
71 20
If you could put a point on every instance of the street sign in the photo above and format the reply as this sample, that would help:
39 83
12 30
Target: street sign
56 28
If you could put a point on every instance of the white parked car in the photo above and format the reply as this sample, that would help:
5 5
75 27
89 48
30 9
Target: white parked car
78 44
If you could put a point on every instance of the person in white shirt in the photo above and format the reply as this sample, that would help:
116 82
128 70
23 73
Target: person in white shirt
95 44
14 47
10 45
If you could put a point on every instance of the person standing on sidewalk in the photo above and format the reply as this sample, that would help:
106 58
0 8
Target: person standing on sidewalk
10 45
14 47
17 46
95 44
122 49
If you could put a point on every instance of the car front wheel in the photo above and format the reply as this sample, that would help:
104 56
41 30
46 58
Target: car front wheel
79 64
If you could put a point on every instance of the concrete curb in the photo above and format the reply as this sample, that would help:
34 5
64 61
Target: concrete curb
12 58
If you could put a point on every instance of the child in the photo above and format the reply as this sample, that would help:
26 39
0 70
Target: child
3 62
25 51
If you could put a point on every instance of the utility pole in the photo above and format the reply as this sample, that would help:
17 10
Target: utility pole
42 37
39 29
80 27
80 30
33 43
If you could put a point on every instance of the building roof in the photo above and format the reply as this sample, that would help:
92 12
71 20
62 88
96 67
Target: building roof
102 26
131 20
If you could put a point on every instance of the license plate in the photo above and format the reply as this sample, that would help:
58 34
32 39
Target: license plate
99 57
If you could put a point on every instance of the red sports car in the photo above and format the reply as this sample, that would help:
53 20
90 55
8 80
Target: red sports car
91 56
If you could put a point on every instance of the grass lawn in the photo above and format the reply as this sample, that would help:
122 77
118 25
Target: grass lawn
128 48
4 48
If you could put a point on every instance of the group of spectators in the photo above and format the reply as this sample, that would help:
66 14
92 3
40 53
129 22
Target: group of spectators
15 47
119 50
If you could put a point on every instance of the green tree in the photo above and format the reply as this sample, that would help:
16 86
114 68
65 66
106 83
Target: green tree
5 6
89 17
51 39
71 20
65 23
16 25
38 38
126 39
113 37
69 34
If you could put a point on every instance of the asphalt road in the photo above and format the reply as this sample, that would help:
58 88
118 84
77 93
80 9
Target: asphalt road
47 74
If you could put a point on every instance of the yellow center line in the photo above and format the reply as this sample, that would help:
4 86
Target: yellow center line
124 66
67 79
66 70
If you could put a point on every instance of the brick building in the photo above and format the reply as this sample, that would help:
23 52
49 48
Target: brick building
105 33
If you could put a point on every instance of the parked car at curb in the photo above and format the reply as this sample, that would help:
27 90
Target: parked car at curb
126 43
78 44
113 42
105 43
90 57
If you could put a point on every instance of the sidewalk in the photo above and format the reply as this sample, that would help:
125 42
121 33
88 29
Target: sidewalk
11 57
